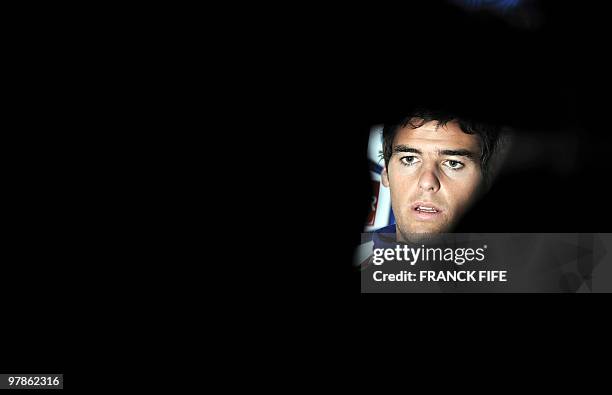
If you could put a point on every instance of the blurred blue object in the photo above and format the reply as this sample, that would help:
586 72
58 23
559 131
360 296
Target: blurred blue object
522 14
499 4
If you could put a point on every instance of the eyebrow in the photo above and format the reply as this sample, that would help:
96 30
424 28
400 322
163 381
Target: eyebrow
449 152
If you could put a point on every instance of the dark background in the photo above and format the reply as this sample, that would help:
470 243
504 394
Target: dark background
335 72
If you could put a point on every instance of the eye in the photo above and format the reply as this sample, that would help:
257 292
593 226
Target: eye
409 160
453 164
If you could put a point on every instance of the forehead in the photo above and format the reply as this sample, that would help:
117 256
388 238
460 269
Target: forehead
449 136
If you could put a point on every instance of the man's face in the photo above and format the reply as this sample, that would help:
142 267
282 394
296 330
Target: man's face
434 175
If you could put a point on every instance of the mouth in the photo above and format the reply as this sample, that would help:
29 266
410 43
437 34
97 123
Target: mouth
426 211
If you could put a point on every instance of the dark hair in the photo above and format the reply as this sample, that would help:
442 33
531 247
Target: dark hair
489 134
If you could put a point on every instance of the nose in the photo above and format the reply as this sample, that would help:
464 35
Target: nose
428 181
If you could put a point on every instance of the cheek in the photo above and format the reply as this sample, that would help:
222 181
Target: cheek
400 190
401 184
461 194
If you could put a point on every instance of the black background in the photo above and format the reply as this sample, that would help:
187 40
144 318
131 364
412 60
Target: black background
334 72
41 192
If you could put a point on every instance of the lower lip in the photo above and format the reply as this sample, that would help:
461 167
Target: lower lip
425 216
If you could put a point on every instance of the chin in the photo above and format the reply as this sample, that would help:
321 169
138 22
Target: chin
429 229
424 232
420 237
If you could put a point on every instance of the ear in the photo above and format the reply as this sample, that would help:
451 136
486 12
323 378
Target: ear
384 177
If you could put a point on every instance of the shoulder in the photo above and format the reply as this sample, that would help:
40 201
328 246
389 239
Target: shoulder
386 229
363 252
